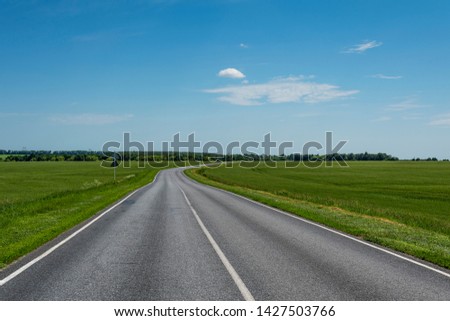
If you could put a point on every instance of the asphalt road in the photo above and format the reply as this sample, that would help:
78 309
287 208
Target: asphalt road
179 240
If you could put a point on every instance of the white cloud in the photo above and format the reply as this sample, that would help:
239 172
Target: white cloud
407 104
108 35
442 120
294 78
362 47
280 90
89 37
231 73
381 76
308 115
89 119
412 116
382 119
243 45
15 114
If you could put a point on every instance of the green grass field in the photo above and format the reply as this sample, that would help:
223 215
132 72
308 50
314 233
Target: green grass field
40 200
3 156
402 205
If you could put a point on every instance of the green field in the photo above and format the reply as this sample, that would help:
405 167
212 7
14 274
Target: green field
3 156
40 200
402 205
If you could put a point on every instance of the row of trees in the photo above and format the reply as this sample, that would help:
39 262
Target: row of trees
429 159
316 157
80 155
86 156
346 157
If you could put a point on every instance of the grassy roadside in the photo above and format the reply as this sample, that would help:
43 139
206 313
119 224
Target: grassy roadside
41 200
340 200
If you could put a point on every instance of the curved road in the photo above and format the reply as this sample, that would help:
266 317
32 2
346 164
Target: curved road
176 239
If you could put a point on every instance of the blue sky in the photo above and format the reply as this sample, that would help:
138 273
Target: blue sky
74 74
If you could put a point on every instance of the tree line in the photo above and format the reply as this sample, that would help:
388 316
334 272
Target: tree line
87 156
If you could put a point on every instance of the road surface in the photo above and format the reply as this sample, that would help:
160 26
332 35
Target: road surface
176 239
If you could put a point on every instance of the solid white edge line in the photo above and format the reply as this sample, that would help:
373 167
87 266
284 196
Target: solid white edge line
236 278
325 228
52 249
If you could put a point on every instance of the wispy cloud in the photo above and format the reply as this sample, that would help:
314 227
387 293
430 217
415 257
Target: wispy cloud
280 90
442 120
108 35
75 8
243 45
382 119
407 104
231 73
89 119
89 37
364 46
381 76
16 114
308 115
412 116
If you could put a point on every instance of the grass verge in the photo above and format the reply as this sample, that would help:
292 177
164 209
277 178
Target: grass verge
341 200
41 200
